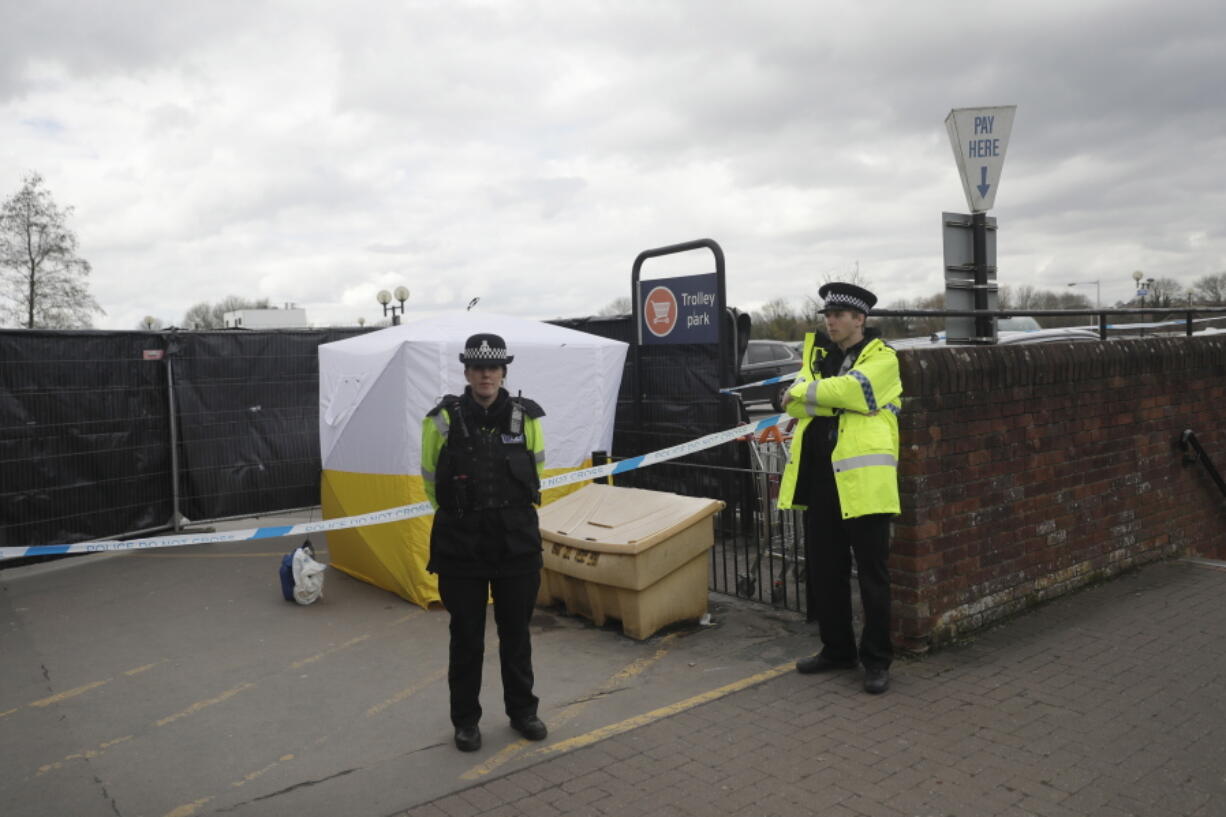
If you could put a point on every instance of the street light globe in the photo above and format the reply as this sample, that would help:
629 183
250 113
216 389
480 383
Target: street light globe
1137 275
402 294
384 297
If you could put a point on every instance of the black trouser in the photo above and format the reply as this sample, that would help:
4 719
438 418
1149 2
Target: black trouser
465 600
829 542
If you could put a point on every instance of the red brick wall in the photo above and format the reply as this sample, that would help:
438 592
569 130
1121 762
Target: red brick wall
1028 471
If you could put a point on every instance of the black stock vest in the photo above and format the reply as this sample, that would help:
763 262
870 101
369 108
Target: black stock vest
485 462
485 484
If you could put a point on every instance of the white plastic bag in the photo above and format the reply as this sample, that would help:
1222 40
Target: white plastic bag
308 577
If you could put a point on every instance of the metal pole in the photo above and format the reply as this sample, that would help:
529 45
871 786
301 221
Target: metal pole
979 243
636 343
175 516
600 458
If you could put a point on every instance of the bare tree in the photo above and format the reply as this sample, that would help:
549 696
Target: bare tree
205 315
1025 296
811 310
1165 292
1210 290
852 276
42 279
914 325
778 321
150 324
617 306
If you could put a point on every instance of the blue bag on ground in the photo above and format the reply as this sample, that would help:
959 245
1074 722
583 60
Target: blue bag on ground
302 578
287 576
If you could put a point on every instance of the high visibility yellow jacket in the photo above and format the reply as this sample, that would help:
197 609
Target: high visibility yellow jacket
436 430
866 401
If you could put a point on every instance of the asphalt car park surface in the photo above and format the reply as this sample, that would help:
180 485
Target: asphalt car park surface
179 682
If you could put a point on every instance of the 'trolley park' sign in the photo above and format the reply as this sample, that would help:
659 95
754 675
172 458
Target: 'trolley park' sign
679 310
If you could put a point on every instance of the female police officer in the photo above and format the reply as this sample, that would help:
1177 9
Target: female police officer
482 455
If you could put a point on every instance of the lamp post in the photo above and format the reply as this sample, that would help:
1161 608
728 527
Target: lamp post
1098 300
385 298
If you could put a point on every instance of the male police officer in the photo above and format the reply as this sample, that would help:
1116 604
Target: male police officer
844 471
482 455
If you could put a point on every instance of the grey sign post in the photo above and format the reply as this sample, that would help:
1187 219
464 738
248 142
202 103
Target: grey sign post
979 137
969 284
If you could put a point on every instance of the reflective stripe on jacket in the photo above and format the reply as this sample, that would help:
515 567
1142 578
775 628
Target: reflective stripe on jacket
866 401
435 429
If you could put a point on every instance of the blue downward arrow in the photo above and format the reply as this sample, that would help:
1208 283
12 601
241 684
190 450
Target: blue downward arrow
984 187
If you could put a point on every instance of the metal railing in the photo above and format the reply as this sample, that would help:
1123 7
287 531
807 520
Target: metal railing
1194 452
1156 315
759 551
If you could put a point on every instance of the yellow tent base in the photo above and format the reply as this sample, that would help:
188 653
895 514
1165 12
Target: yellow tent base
392 556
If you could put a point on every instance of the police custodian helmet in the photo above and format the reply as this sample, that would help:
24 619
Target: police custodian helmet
846 296
485 349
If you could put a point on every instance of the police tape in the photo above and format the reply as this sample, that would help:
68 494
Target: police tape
783 378
397 514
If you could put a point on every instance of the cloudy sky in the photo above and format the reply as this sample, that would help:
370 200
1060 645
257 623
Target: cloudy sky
526 152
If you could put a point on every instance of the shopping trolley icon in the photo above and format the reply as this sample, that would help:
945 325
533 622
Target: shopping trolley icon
659 311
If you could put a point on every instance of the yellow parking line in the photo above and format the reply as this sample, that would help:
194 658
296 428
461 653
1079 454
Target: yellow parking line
199 705
144 668
189 809
568 714
81 690
88 754
658 714
405 693
637 667
71 693
258 773
326 653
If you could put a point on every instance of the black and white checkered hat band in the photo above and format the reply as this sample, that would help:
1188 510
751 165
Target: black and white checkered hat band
839 299
485 352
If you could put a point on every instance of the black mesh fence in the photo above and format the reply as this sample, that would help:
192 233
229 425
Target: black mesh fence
86 429
84 436
248 420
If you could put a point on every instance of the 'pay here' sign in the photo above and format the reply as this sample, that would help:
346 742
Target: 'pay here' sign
979 137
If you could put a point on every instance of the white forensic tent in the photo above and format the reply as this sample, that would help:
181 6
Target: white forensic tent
374 391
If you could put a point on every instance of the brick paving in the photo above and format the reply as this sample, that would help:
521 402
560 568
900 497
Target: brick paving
1108 703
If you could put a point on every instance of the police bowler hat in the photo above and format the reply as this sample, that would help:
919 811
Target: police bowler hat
485 349
846 296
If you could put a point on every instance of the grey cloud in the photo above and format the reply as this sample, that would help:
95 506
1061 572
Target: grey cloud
96 39
487 144
549 197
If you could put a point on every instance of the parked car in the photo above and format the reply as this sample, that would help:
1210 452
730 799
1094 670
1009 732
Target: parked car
765 359
1006 337
1017 323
